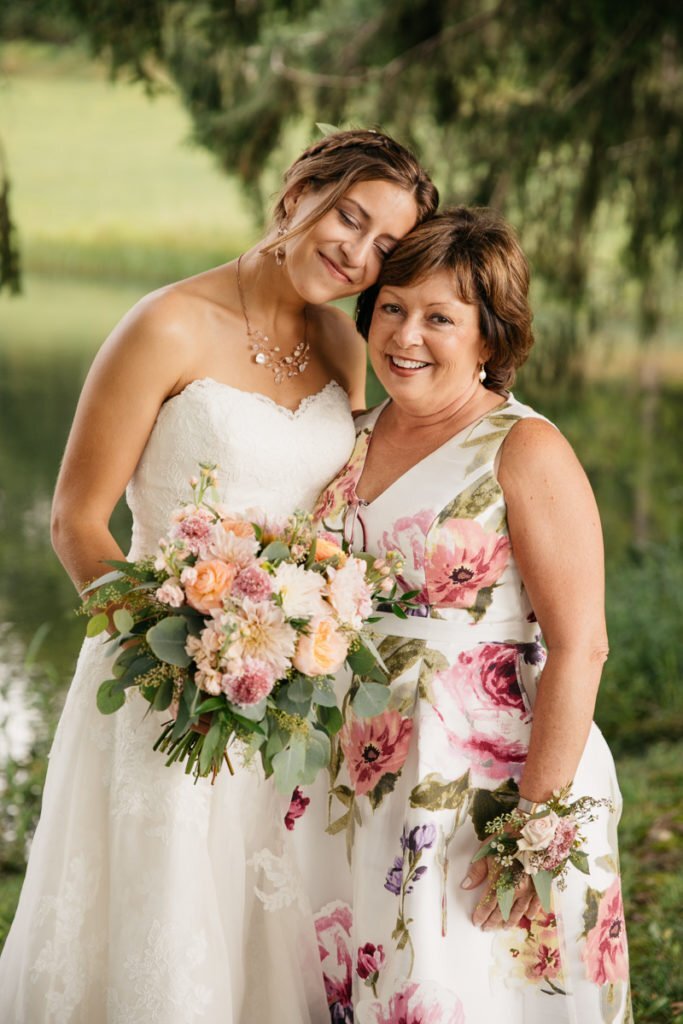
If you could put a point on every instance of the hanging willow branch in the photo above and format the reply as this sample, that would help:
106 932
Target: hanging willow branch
10 268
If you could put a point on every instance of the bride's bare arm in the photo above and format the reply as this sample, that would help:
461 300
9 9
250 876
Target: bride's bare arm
140 364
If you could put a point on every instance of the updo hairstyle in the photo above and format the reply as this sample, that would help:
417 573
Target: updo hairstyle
481 252
341 160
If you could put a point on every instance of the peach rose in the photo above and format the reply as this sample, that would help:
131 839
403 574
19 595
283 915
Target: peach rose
322 650
325 548
212 582
240 527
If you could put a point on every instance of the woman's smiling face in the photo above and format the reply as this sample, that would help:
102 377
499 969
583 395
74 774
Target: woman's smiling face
342 253
425 344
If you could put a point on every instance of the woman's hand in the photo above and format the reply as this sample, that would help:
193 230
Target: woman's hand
487 913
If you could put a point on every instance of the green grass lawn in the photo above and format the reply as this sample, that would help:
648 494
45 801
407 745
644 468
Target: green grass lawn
105 179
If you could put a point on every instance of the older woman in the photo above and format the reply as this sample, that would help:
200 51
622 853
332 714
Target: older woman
500 536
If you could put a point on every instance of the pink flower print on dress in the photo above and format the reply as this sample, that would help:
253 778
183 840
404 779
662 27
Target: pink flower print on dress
370 961
414 1003
480 716
297 808
408 535
375 746
333 929
605 954
342 490
460 559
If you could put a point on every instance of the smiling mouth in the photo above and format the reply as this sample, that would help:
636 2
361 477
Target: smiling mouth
335 270
407 364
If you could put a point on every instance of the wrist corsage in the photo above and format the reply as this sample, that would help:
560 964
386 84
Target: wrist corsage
541 844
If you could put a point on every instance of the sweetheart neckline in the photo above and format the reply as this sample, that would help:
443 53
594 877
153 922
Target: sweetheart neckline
293 414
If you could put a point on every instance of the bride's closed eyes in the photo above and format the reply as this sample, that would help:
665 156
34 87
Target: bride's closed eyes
383 251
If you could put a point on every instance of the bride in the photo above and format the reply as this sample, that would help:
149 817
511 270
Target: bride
148 898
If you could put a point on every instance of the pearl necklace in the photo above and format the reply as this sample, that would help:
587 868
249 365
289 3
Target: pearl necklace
259 343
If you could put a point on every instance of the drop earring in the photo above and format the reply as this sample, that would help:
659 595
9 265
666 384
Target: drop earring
280 251
482 374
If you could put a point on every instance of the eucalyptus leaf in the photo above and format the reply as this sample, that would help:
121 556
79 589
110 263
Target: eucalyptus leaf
282 701
101 581
288 765
123 620
251 712
210 704
167 640
323 694
164 695
182 721
370 699
213 746
135 572
97 624
506 897
317 756
361 661
330 718
276 551
110 697
138 667
543 885
300 690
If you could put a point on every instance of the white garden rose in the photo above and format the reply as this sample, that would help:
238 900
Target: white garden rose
538 833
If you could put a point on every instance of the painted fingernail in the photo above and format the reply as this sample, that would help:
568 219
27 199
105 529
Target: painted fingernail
466 883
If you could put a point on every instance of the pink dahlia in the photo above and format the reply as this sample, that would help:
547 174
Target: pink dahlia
193 527
254 682
254 583
460 559
375 746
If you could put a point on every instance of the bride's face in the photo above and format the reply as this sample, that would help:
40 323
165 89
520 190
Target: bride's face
342 253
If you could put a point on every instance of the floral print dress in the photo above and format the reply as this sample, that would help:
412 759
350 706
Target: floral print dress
412 786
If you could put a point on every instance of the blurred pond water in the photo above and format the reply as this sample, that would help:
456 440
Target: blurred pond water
40 380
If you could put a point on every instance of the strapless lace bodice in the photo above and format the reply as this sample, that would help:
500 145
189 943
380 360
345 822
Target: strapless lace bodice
266 454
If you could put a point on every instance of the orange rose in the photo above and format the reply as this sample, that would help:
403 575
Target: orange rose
322 650
212 581
240 527
328 549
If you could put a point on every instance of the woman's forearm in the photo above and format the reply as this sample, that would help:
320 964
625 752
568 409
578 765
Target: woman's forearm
563 713
83 548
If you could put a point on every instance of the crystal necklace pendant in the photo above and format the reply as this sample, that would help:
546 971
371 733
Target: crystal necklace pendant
259 343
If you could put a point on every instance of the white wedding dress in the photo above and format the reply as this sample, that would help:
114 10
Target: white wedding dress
149 898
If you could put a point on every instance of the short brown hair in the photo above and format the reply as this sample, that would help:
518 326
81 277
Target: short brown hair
481 251
344 158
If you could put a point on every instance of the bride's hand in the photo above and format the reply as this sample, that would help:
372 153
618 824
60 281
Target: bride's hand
487 913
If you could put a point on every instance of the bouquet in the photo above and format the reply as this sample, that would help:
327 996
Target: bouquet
236 628
541 845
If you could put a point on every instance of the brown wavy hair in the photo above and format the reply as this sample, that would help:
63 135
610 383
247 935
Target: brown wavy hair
489 270
344 158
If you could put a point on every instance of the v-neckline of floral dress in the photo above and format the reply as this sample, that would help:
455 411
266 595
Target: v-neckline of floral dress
370 427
